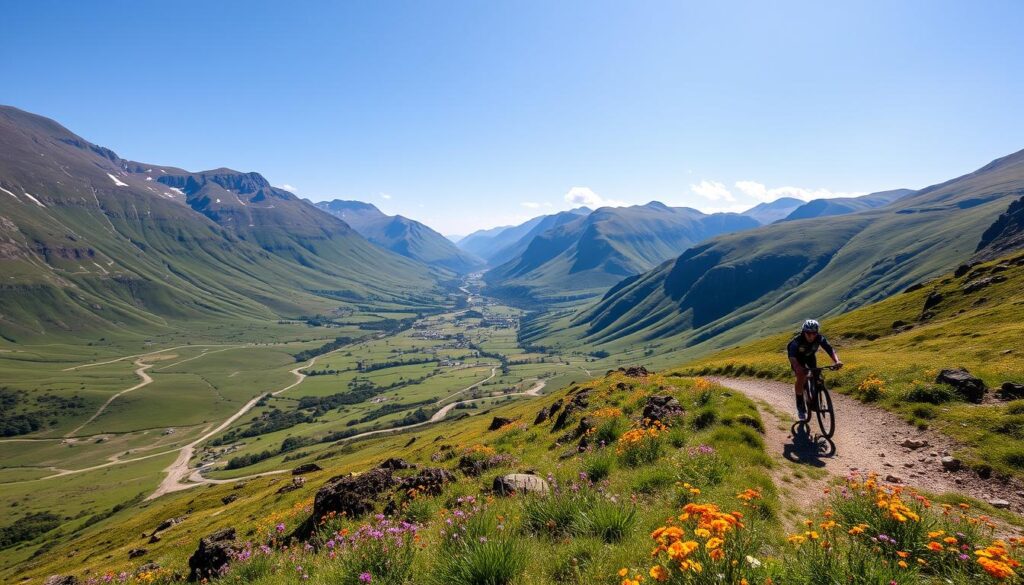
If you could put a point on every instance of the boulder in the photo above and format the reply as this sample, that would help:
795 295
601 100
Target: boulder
999 503
306 468
61 580
513 483
430 480
579 402
228 499
980 283
933 299
635 371
352 495
893 479
662 409
154 539
968 386
395 463
914 443
500 421
542 416
168 523
1011 390
136 553
213 555
950 463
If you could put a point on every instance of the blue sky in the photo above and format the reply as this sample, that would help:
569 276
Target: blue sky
473 114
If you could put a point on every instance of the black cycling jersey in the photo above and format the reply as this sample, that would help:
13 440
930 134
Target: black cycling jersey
804 351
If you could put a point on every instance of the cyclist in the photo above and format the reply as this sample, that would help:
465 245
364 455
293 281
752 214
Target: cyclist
802 350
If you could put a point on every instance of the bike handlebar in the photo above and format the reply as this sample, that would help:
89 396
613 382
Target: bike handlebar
832 367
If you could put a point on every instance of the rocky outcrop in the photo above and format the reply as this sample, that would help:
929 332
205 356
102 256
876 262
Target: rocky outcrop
306 468
395 463
61 580
546 413
1011 391
635 371
352 495
971 388
662 408
579 402
1005 235
514 483
213 555
296 483
500 421
430 480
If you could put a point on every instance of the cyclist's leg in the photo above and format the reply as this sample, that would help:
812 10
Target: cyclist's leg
801 383
809 378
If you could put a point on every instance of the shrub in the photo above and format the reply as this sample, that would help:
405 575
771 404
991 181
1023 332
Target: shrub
704 419
870 389
599 466
609 521
750 421
609 431
921 392
702 466
487 562
641 446
557 514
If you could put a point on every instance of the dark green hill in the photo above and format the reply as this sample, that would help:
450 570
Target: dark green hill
586 256
844 205
402 235
90 242
764 280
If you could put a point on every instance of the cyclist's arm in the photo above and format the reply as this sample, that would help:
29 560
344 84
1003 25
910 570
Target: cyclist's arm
830 351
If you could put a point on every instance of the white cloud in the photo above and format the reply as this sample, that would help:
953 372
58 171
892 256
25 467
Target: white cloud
534 204
585 196
713 190
288 187
385 196
762 193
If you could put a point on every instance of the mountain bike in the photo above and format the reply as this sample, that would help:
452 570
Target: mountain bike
819 401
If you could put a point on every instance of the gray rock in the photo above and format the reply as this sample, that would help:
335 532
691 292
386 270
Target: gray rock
893 479
214 553
914 443
61 580
999 503
513 483
306 468
136 553
968 386
950 463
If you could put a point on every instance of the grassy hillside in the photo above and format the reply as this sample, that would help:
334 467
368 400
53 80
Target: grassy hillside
691 502
93 245
895 349
745 285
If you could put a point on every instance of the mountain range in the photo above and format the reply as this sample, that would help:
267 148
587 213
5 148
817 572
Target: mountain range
744 284
92 242
590 253
402 235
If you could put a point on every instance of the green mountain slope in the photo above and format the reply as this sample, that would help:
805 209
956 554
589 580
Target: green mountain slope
844 205
94 243
1005 235
402 235
584 257
763 280
500 244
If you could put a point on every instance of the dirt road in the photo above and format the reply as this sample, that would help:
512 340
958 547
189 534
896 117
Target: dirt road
867 438
140 372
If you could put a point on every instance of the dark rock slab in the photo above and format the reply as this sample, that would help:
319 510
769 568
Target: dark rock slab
213 555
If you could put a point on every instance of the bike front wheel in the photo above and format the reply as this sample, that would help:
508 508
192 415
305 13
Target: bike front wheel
826 414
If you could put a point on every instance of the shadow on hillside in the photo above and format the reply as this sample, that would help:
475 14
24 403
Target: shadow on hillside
807 449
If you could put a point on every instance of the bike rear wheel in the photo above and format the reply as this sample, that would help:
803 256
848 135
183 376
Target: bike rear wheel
826 414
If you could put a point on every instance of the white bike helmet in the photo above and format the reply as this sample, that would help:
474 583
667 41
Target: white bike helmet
811 325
